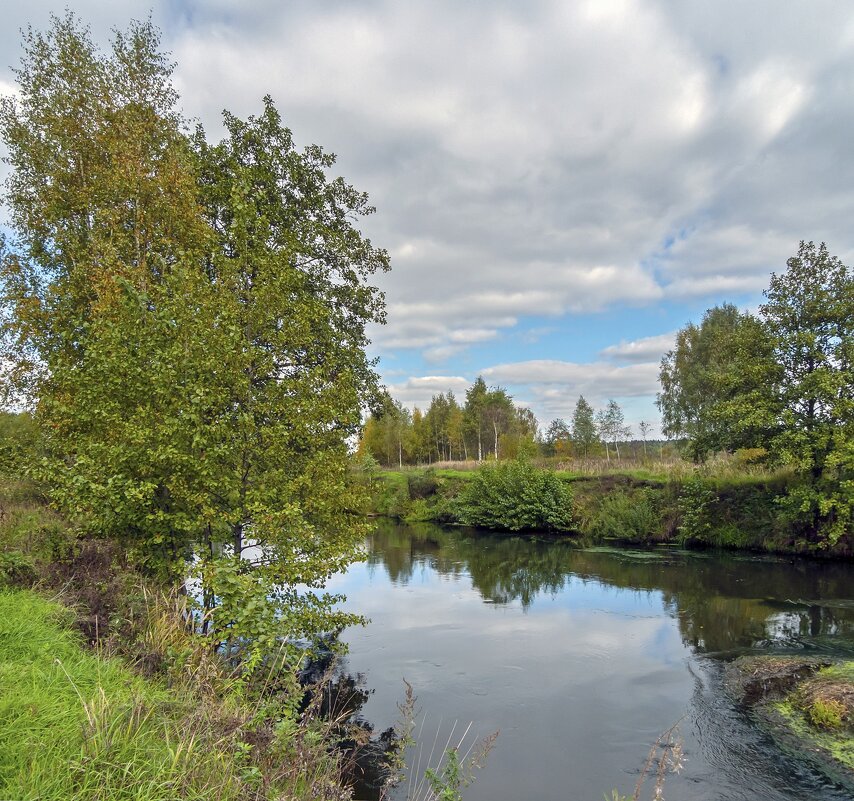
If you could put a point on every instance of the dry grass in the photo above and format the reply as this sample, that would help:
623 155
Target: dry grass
665 757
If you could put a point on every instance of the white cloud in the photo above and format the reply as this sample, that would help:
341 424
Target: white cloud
599 379
646 349
418 390
541 159
442 353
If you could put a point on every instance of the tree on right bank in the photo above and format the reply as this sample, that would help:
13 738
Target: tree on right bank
782 381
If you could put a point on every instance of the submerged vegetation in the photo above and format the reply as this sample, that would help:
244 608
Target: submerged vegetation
806 704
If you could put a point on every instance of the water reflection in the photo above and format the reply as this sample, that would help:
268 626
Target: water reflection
583 657
723 603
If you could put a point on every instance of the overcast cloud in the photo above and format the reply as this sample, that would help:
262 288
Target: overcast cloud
532 163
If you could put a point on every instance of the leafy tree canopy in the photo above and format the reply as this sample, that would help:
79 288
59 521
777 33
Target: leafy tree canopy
782 381
187 322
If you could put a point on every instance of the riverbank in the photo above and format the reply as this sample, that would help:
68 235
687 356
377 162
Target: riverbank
76 725
733 511
806 704
109 693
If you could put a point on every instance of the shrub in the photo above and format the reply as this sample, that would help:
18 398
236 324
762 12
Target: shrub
514 496
16 569
390 496
627 516
826 714
419 512
694 504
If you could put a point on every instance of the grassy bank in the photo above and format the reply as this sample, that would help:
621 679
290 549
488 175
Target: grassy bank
77 723
74 725
109 692
726 508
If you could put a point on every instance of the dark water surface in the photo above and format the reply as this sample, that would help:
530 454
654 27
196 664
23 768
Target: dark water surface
583 657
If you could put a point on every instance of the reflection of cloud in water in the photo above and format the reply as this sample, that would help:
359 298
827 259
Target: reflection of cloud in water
581 658
720 602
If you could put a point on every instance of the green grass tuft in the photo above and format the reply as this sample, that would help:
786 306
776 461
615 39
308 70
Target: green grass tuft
75 726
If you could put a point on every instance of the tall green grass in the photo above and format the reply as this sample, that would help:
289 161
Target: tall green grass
74 726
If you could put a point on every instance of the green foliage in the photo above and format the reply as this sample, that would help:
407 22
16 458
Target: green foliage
473 416
809 314
781 382
388 434
16 569
513 496
422 485
584 433
488 424
77 727
187 322
17 443
724 504
448 782
611 426
826 713
390 495
714 382
254 616
694 502
627 515
420 511
366 468
557 439
31 535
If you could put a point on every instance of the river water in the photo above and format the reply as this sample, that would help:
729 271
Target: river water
582 657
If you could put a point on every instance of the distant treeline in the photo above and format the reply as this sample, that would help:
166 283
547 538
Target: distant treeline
489 425
776 386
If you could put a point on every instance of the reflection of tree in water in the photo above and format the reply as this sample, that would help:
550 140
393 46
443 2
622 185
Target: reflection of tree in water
516 568
722 602
338 697
404 550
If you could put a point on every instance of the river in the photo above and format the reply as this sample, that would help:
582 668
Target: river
582 657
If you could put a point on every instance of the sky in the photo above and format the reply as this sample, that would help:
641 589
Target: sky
561 185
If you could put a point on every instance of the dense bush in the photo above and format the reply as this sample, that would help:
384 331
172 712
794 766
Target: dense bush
736 514
390 496
625 515
694 503
513 496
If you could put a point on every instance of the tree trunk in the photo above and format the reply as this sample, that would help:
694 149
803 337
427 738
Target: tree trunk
237 539
495 429
479 446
